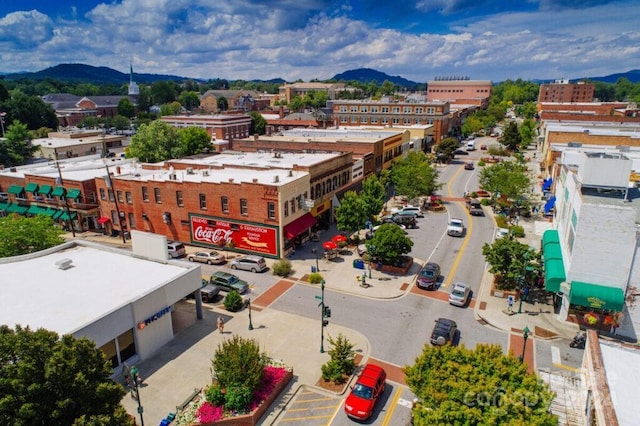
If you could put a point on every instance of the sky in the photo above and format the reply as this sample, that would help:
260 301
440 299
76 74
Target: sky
317 39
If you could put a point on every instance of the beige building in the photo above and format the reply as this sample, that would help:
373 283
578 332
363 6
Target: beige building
77 143
289 91
459 90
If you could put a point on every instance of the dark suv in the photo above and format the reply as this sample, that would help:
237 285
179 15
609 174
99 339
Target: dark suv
443 332
409 221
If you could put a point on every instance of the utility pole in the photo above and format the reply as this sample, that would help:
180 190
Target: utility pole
325 312
66 200
115 201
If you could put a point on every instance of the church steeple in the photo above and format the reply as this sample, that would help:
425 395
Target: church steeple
134 90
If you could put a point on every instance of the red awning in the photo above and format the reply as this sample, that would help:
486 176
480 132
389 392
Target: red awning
103 220
299 225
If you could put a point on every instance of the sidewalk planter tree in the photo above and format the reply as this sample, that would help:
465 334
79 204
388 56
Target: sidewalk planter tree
456 385
414 176
351 215
388 244
342 362
233 301
508 259
507 178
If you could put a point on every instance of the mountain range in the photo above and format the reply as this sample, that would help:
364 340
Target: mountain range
104 75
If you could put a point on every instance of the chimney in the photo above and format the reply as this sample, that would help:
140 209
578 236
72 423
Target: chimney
118 170
281 112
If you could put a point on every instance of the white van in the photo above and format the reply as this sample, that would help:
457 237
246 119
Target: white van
471 145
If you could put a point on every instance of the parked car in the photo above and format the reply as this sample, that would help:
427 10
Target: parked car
483 147
443 332
411 209
460 152
249 263
455 227
460 294
366 392
468 165
209 292
228 282
475 207
208 257
176 249
406 220
428 276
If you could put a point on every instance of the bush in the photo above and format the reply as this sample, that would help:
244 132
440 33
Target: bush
238 397
238 361
485 201
342 353
502 221
517 231
233 301
481 163
331 372
282 268
215 395
315 278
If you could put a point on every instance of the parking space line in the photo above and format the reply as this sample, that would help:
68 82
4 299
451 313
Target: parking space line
312 400
297 419
315 408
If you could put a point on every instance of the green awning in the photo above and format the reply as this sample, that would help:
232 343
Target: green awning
45 190
50 212
551 251
15 189
65 216
554 274
596 296
550 236
3 206
17 208
57 214
73 193
34 209
31 187
58 191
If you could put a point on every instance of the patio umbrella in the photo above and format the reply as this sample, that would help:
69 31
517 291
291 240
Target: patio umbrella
339 239
329 245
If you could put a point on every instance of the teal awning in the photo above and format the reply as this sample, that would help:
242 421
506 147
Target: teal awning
50 212
17 208
34 209
45 190
596 296
551 251
3 206
554 274
57 214
550 236
58 191
15 189
73 193
65 216
31 187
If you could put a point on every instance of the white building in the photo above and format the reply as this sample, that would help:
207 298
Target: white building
121 300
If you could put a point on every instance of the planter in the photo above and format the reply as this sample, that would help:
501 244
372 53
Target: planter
436 208
482 193
398 270
503 294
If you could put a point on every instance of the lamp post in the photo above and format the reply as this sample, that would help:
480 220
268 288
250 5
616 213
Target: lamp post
523 280
315 251
322 324
250 323
525 336
134 377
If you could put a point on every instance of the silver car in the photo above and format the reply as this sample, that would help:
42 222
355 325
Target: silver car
460 294
249 263
208 257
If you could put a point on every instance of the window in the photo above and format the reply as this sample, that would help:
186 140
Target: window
179 200
385 109
353 108
271 210
343 120
145 194
374 120
157 195
112 198
343 108
363 109
418 110
293 205
354 119
396 110
243 207
103 194
224 204
114 217
120 197
374 109
127 196
407 110
203 202
286 209
132 220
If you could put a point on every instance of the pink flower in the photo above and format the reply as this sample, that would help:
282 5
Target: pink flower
209 413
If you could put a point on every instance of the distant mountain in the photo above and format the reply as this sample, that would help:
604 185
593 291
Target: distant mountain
365 75
90 74
633 76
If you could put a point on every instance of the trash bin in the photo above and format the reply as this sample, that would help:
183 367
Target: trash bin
358 264
313 270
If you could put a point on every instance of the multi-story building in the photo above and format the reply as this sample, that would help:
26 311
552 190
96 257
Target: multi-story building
390 113
77 143
587 112
289 91
564 91
241 100
459 90
223 128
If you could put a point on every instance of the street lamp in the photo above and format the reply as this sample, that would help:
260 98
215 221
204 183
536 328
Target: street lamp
322 320
315 251
134 375
525 336
523 280
249 304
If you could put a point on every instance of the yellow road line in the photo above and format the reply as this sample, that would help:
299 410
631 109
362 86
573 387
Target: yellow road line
392 407
311 400
297 419
566 367
314 407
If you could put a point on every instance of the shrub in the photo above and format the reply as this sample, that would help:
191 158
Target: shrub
331 372
215 395
282 268
502 221
315 278
485 201
481 163
238 361
238 397
517 231
342 353
209 413
233 301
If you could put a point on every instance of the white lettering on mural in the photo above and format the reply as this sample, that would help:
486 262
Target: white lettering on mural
215 236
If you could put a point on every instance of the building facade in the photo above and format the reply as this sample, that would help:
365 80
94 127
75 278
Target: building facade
289 91
223 128
460 90
564 91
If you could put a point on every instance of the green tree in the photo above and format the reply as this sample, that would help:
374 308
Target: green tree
351 215
47 379
472 125
456 385
414 176
162 92
509 178
527 132
238 361
17 149
23 235
258 123
30 110
509 260
120 122
389 242
126 108
193 140
296 104
511 136
155 142
445 149
172 108
372 196
189 100
387 88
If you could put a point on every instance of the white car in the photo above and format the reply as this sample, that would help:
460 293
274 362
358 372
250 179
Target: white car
208 257
502 233
455 228
460 294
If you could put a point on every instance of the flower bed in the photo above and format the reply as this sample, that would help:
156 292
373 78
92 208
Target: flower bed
274 380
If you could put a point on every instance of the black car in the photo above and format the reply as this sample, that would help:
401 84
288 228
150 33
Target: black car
460 152
443 332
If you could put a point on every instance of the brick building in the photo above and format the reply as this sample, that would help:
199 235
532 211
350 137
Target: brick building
611 112
223 128
390 113
77 143
460 90
287 92
563 91
241 100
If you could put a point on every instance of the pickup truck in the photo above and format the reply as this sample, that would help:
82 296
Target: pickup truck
455 228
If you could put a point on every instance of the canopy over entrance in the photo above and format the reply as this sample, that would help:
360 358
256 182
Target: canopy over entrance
299 225
596 296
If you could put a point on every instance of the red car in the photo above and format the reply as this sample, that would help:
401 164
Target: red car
366 392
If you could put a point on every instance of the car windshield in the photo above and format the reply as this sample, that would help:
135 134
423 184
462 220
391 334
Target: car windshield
427 273
362 391
232 280
459 293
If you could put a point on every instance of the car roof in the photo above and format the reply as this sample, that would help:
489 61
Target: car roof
460 285
445 321
370 374
430 265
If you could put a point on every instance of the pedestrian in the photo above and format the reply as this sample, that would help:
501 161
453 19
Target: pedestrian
525 294
221 324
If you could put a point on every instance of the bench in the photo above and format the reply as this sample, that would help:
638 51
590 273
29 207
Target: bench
188 400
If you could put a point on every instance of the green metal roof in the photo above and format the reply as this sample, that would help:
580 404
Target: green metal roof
551 251
58 191
553 274
596 296
16 208
550 236
34 209
65 216
73 193
3 206
31 187
15 189
50 212
44 189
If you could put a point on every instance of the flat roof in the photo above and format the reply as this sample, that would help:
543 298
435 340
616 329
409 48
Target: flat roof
37 293
343 132
88 167
622 368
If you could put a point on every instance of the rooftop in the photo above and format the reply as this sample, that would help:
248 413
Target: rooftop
623 376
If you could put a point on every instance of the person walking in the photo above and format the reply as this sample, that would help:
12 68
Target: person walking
220 324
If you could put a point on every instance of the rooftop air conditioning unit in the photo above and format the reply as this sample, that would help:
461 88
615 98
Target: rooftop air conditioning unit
189 170
64 264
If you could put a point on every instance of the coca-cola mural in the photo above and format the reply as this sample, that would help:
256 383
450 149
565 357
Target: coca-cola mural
254 238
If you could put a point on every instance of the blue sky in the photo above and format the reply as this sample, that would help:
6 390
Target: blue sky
307 39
